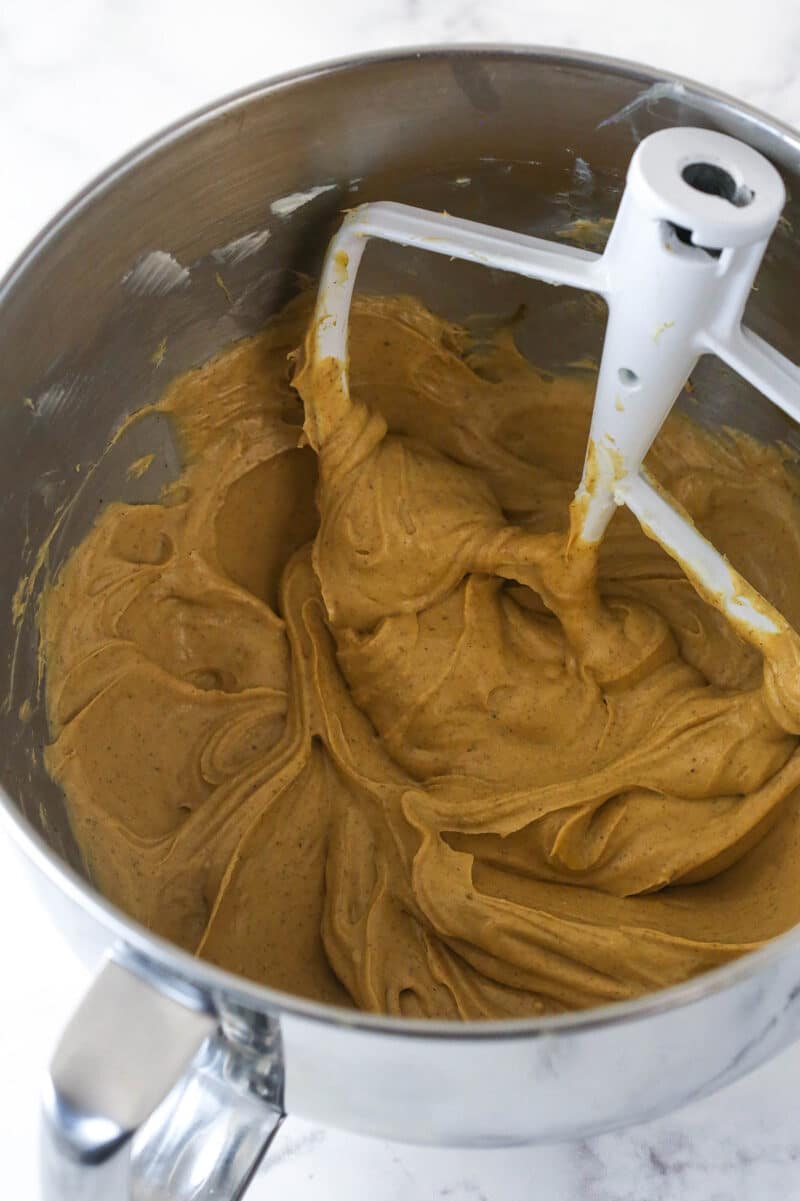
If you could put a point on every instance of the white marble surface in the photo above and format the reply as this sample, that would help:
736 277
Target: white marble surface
79 83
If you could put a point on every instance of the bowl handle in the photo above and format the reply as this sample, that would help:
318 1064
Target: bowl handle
137 1062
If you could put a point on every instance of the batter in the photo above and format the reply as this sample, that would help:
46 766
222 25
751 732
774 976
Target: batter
346 714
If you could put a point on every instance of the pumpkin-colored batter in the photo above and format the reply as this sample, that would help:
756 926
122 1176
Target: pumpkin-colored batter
346 714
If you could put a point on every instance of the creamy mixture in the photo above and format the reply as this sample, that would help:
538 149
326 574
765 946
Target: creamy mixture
347 714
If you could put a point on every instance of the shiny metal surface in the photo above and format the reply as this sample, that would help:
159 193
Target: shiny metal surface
540 139
116 1067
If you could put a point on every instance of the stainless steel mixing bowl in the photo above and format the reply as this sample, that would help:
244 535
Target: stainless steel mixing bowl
120 293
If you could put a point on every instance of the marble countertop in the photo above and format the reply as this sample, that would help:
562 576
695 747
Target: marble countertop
79 84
